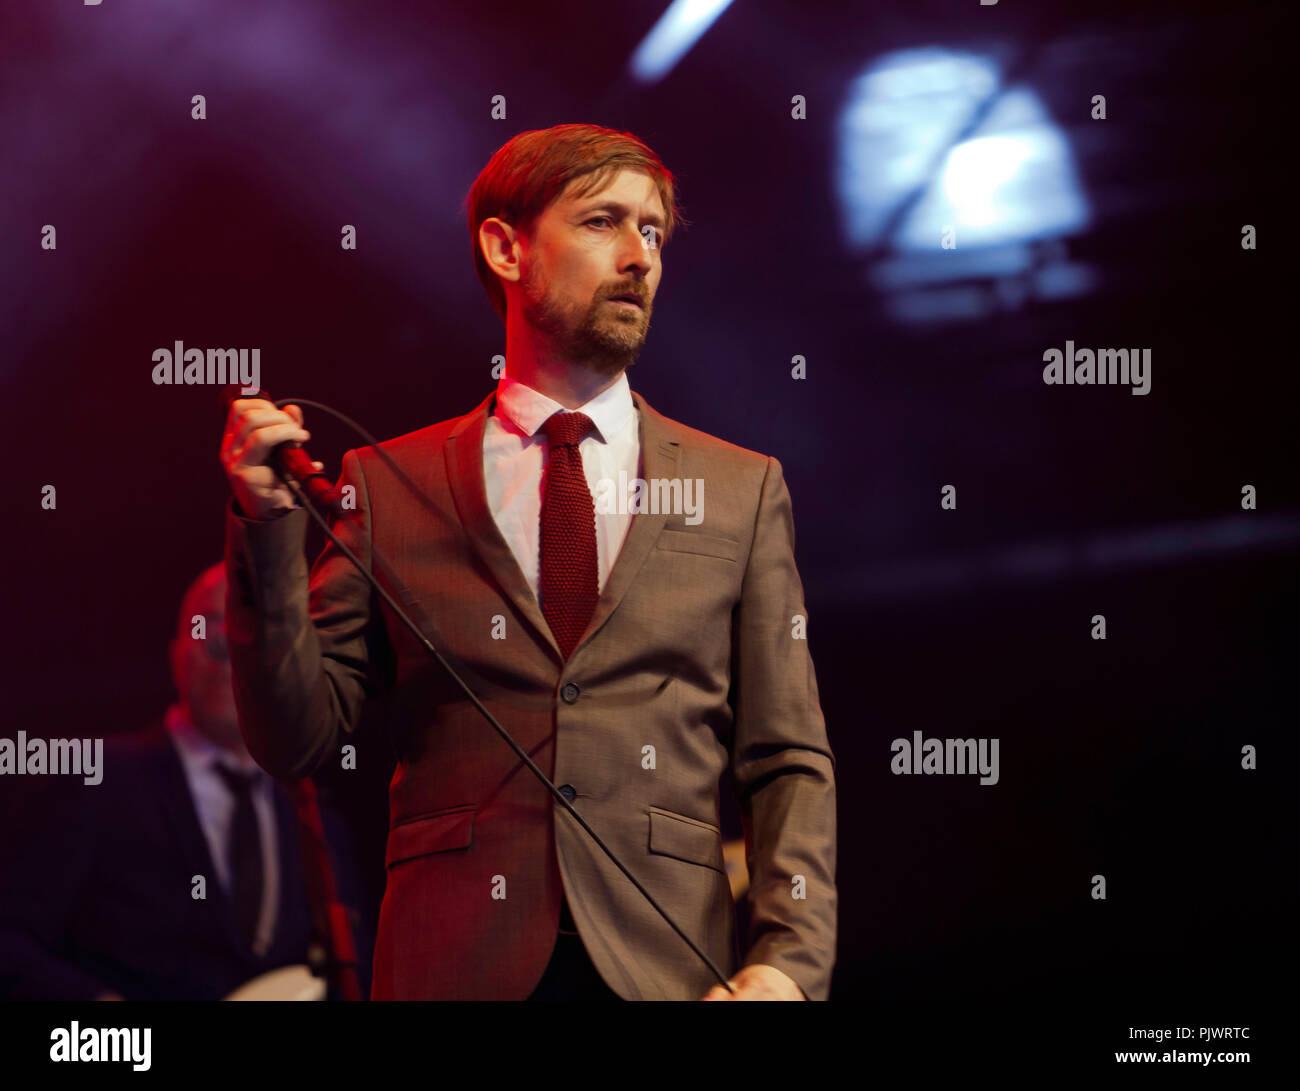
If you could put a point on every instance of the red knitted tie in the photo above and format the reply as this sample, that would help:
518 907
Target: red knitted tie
567 543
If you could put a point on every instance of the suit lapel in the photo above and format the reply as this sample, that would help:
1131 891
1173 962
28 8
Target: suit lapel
183 821
464 460
659 458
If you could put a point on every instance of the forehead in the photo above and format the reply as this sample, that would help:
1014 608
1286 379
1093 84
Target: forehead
632 188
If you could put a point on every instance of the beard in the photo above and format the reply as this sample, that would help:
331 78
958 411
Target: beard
604 339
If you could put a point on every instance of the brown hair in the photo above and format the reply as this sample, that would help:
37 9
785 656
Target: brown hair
534 168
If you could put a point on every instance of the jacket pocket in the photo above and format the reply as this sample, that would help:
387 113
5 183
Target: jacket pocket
424 836
686 839
705 545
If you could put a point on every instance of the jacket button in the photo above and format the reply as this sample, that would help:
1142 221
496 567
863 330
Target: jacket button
570 692
567 791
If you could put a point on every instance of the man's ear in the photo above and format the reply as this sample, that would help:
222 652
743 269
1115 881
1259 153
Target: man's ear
500 245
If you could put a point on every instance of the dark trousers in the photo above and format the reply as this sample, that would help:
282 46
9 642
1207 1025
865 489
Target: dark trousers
570 975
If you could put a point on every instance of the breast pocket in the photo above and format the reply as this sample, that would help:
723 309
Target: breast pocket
686 839
441 831
702 545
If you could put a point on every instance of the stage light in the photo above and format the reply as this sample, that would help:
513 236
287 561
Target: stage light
670 39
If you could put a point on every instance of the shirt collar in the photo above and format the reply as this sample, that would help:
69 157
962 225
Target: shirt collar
197 751
527 409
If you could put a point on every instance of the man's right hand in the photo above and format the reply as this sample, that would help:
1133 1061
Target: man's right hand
254 428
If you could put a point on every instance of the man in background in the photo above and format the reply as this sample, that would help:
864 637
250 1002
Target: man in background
98 882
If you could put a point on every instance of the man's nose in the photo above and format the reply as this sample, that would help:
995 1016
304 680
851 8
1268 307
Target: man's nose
635 252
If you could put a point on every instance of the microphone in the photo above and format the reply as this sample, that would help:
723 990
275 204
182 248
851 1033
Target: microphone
290 460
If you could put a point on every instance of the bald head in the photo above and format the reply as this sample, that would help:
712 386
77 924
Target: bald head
207 594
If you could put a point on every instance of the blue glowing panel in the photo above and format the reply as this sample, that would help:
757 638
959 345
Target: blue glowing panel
1014 181
938 129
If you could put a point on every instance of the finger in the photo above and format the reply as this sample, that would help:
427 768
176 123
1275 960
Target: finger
260 444
254 419
240 406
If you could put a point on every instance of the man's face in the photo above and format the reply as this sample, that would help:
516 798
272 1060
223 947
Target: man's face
201 668
582 253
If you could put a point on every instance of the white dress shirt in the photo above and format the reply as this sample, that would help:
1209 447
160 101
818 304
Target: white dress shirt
215 807
515 452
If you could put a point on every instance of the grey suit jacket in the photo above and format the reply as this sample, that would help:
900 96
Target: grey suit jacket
693 667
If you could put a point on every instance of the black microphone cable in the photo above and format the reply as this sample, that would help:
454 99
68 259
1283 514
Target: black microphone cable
296 488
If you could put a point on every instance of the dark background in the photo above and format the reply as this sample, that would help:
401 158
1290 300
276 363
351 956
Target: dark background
1119 757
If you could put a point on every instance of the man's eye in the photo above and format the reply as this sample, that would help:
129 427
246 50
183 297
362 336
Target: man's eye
600 219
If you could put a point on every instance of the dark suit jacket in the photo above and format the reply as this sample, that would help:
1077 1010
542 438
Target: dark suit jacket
691 669
95 887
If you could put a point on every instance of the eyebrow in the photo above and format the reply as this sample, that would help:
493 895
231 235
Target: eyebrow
622 210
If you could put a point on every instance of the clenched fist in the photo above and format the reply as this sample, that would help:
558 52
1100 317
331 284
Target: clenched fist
254 428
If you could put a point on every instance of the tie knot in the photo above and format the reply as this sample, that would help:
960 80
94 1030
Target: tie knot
563 428
239 782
